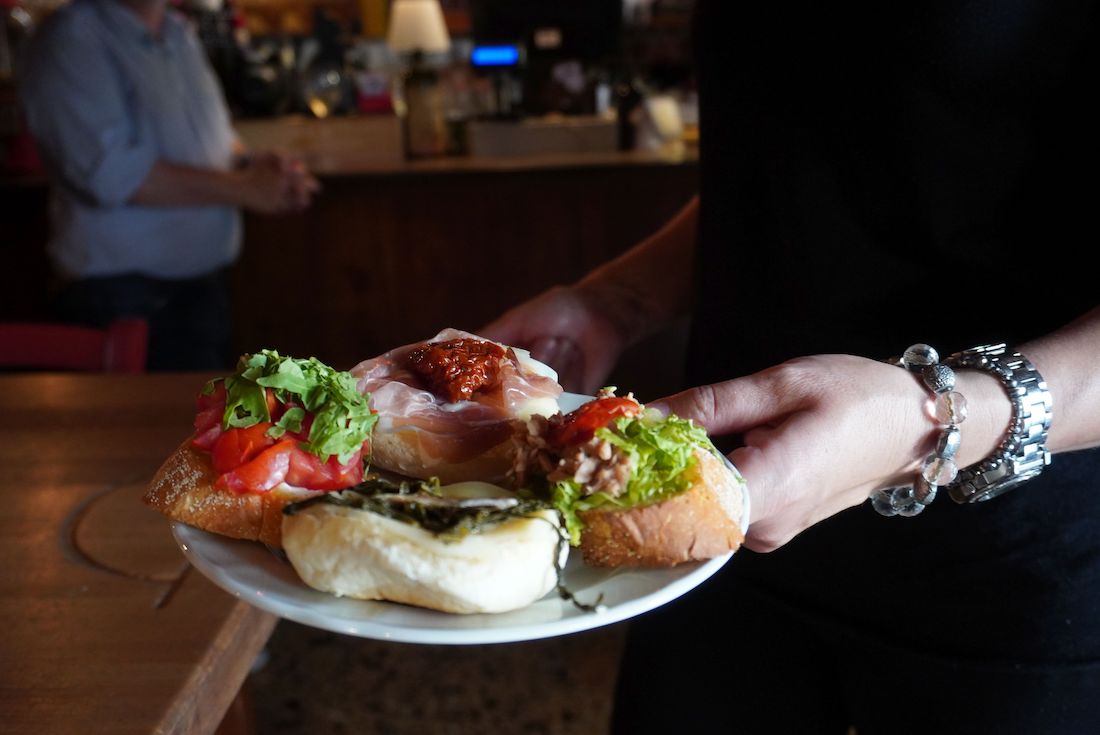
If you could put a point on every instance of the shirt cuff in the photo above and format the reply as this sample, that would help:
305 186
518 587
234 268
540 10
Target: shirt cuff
119 174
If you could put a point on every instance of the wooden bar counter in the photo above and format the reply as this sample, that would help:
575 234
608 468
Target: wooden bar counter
391 250
106 628
394 250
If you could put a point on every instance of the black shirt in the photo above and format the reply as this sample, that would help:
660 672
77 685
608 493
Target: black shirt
919 172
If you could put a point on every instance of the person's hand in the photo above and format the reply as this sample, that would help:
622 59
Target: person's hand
567 329
820 433
303 185
276 182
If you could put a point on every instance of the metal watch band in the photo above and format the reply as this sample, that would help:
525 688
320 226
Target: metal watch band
1023 453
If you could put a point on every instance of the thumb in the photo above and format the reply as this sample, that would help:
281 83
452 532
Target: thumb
506 329
732 406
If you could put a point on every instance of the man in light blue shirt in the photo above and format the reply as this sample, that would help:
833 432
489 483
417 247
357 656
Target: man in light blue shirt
137 138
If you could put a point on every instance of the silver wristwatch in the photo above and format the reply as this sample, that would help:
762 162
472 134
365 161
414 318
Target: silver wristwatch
1023 453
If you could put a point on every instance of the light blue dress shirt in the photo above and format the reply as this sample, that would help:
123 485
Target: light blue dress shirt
105 100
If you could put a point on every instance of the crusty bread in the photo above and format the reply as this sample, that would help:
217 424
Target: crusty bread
702 522
365 555
183 489
399 451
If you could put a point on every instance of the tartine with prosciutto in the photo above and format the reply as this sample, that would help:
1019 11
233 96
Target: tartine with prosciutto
448 407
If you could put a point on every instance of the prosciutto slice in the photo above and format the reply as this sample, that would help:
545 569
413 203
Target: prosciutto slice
446 432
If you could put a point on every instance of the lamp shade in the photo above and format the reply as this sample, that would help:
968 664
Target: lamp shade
417 25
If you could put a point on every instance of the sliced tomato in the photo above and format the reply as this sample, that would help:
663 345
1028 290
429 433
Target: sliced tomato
286 462
208 417
248 460
307 470
208 420
207 438
214 398
581 425
238 446
263 472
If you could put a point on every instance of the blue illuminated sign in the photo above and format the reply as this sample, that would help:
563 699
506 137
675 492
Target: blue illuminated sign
494 56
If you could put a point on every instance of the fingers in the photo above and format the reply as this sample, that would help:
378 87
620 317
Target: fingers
506 330
310 183
525 324
284 183
733 406
767 465
562 354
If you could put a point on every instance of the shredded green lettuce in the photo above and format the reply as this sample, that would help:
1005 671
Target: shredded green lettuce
661 451
342 419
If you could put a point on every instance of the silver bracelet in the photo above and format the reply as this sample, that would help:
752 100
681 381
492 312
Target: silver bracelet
939 468
1023 453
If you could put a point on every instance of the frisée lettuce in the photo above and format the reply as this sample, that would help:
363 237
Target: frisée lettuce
661 451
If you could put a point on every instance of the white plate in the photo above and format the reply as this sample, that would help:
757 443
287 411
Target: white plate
251 572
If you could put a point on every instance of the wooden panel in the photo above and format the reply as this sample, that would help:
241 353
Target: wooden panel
381 261
390 255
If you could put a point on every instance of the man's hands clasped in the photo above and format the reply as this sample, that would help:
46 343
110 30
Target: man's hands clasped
275 182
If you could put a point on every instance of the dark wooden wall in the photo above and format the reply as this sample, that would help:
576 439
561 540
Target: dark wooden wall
385 259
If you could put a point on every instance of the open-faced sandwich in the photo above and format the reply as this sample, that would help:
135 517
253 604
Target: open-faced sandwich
636 488
464 548
285 451
278 430
448 406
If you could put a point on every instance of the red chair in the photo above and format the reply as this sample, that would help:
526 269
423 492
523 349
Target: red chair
120 348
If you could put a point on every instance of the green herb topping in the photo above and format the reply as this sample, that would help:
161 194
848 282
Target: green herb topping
422 504
342 419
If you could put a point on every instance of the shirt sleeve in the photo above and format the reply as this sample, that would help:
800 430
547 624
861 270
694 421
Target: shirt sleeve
78 108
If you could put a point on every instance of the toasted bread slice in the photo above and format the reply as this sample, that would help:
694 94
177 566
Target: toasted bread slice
183 489
400 452
702 522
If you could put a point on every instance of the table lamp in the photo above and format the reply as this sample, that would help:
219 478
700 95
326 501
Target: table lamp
417 28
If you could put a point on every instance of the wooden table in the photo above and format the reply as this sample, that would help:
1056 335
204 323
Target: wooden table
104 627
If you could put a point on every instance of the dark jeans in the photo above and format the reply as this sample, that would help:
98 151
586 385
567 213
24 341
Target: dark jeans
729 659
190 321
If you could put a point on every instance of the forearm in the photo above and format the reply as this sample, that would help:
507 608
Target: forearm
173 185
648 286
1068 359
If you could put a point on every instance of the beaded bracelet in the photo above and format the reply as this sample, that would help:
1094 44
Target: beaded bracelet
949 409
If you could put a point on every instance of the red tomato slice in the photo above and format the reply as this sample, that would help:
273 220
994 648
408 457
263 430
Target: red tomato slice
262 473
580 425
216 398
208 438
208 417
238 446
208 421
248 460
287 462
307 470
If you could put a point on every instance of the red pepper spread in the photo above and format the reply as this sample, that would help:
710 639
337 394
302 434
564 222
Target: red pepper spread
458 368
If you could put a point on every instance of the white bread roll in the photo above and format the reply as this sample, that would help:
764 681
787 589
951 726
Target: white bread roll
358 553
